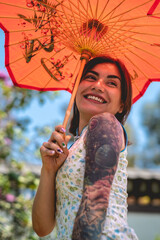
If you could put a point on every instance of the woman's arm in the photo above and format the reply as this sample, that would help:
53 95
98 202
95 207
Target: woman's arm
104 142
43 211
53 153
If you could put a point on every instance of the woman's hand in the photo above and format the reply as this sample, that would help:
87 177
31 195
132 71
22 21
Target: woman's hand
54 152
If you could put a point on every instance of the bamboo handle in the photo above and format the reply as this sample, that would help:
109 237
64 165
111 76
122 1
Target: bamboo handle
68 111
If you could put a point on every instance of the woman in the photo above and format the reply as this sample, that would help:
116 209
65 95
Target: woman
83 191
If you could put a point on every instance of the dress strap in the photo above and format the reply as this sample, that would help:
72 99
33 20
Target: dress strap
126 138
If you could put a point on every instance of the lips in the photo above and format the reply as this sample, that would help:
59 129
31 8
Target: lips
95 98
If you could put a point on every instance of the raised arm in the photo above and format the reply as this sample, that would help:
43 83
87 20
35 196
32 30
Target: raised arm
104 142
53 153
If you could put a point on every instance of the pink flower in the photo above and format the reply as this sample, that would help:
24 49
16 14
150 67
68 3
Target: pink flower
7 141
4 77
10 197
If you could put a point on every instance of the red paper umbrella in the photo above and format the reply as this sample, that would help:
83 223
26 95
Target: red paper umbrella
46 40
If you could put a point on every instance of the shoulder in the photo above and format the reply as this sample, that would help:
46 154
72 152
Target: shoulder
107 119
106 126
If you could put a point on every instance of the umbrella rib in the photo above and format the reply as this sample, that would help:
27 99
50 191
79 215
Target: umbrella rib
17 43
68 21
13 5
24 57
142 33
103 11
112 34
73 77
113 10
150 53
77 13
145 60
36 68
86 20
142 58
51 79
64 32
30 9
131 9
75 23
138 47
140 25
96 11
115 23
144 50
138 17
109 39
89 4
135 66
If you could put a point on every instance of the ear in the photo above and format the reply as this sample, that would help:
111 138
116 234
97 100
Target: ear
121 108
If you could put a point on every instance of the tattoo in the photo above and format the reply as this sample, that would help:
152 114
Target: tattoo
103 145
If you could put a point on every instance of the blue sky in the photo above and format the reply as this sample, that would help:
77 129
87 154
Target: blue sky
50 112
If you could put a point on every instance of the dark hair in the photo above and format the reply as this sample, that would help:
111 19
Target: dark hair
126 90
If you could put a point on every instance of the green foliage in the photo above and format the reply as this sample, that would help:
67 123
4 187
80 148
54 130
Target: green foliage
15 205
12 128
131 157
151 122
157 237
17 187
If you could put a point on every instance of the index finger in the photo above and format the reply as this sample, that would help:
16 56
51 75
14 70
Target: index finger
60 129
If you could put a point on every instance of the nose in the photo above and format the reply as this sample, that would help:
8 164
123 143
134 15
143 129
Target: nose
98 85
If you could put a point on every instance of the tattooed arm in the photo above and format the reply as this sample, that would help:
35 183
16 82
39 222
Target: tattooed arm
104 142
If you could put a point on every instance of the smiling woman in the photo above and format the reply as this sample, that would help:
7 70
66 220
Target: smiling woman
98 92
84 188
119 78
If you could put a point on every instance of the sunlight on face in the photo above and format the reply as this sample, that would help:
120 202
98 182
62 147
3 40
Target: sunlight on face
99 91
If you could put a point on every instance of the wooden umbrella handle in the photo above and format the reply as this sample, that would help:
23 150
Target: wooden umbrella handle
84 58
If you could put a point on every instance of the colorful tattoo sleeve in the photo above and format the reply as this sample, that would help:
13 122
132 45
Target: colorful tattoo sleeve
103 145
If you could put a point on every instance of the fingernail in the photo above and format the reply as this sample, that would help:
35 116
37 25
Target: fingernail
63 129
63 145
59 150
53 152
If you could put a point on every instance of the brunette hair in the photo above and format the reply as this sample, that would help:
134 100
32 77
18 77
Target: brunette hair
126 90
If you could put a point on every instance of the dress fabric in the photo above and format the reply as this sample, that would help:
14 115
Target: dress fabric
69 190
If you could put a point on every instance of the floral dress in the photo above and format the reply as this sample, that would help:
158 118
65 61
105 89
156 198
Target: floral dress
69 190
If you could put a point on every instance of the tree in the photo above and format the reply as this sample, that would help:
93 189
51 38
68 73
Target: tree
12 129
15 207
151 122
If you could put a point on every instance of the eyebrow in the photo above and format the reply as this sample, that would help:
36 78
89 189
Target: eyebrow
109 76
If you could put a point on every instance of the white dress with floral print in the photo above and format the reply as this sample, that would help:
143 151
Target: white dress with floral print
69 189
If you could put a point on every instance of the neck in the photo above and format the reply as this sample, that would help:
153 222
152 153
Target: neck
83 122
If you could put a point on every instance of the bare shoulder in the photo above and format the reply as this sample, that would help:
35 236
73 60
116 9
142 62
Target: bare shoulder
106 127
106 117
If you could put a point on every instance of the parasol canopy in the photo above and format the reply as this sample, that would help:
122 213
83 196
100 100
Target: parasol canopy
45 40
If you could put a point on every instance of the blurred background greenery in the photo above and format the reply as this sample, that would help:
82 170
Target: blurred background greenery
17 186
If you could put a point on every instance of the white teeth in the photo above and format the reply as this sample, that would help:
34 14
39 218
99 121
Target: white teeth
95 98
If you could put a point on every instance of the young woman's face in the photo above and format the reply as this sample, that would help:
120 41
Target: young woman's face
100 91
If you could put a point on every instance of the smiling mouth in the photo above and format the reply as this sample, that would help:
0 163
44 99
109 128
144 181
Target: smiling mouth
95 98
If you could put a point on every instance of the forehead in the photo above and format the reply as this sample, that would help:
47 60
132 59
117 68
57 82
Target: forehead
106 68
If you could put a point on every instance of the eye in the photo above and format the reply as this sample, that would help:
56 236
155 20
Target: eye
90 77
112 83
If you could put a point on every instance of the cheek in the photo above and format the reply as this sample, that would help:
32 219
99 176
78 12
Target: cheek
78 97
81 88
